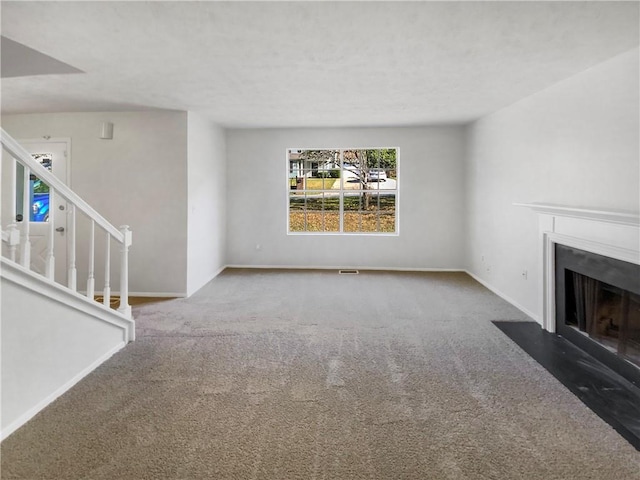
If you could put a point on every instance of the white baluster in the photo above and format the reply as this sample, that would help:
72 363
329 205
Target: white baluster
71 246
25 253
50 258
91 279
14 240
125 308
107 273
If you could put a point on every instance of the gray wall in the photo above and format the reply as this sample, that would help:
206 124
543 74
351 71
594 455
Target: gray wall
207 194
430 212
574 144
139 178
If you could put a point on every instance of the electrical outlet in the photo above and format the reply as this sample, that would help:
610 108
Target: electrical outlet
258 246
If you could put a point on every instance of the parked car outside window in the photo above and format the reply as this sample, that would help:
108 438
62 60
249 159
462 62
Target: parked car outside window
377 175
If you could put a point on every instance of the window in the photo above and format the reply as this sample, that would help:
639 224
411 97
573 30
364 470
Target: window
351 191
38 191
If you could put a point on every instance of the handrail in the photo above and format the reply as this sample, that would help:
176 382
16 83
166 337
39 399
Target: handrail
18 152
57 189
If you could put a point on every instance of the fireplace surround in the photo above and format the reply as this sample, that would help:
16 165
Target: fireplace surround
606 242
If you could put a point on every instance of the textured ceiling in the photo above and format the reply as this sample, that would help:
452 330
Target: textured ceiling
277 64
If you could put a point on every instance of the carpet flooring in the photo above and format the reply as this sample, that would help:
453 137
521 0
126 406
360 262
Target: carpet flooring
315 375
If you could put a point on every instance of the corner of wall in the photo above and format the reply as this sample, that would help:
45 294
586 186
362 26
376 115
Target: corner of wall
206 200
467 131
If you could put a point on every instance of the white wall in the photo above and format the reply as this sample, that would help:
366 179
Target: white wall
430 206
207 193
47 346
139 179
574 144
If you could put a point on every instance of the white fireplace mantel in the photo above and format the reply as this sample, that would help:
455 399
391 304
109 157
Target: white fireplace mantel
608 233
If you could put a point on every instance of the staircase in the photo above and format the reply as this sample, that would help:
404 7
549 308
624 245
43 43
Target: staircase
53 332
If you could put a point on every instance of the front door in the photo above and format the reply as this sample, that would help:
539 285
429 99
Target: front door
53 156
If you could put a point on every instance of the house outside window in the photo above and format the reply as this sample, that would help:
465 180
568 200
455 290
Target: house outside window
343 191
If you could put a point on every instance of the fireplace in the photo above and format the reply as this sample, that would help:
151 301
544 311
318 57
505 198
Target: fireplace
597 254
589 295
598 307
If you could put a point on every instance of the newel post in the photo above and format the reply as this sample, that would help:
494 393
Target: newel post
125 308
14 240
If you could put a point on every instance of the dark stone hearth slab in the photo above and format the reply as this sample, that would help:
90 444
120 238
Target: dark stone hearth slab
610 396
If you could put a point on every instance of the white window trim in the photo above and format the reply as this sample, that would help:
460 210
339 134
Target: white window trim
342 233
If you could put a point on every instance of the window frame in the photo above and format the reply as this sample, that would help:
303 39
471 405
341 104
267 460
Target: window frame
341 193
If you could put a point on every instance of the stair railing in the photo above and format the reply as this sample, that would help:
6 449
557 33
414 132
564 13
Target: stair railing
19 233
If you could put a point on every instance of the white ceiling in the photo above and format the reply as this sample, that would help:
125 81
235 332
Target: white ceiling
296 64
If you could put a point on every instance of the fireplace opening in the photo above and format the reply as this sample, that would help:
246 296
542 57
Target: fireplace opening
598 307
607 314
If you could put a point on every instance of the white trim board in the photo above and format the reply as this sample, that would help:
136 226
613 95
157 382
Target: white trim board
142 294
65 140
29 414
343 267
153 294
624 218
31 281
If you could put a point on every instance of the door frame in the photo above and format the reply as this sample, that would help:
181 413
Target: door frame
60 273
48 139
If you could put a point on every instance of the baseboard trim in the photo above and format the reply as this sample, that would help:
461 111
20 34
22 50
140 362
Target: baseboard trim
144 294
154 294
33 411
342 267
506 298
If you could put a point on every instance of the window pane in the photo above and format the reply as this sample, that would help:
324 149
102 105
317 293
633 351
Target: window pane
352 212
353 178
387 222
370 212
387 209
314 211
296 213
331 212
39 193
330 183
321 183
387 202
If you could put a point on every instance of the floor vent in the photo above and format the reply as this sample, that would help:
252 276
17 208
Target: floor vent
348 272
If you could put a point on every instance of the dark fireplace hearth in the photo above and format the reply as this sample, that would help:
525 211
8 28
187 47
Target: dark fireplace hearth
598 307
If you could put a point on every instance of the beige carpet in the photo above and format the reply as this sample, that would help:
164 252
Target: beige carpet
313 375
